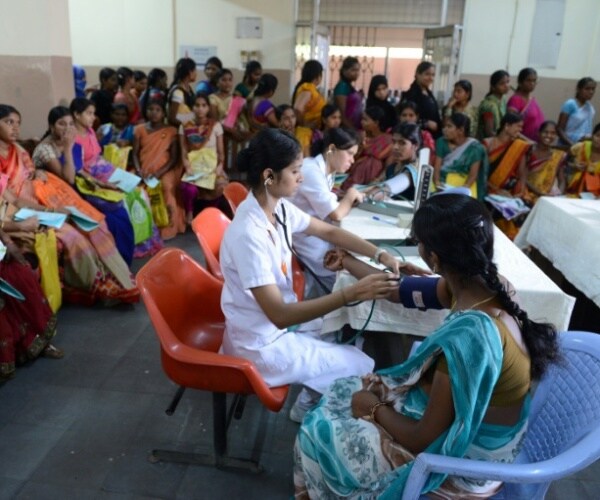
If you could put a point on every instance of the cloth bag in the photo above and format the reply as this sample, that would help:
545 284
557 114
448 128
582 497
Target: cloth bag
116 155
204 163
47 254
139 215
84 187
456 180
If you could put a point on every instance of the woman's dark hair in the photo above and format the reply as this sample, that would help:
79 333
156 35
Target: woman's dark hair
466 86
105 74
509 119
282 108
271 148
183 68
55 114
328 110
311 70
342 138
408 105
221 73
461 121
123 74
7 109
524 74
377 115
251 67
79 105
215 61
410 131
154 76
423 66
376 81
546 124
460 231
157 101
266 84
347 64
595 131
496 78
138 75
584 82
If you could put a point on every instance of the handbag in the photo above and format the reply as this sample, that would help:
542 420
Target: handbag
139 215
160 214
116 155
47 254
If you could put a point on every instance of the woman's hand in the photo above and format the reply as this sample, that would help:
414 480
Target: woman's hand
40 175
390 262
374 286
410 269
13 252
67 139
362 402
29 225
333 259
187 166
354 195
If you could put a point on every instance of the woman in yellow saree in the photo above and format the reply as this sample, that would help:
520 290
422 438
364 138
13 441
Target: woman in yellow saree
585 175
308 103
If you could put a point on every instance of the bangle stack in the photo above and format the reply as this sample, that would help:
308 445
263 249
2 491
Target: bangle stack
374 409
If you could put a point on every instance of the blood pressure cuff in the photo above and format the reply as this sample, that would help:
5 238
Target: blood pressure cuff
419 292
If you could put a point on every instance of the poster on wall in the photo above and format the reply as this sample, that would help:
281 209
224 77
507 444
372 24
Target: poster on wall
200 54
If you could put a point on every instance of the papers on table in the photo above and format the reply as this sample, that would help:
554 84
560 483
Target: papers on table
84 222
8 289
124 180
151 182
50 219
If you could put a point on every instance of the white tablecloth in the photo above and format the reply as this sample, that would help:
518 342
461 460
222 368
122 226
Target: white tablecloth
536 293
567 232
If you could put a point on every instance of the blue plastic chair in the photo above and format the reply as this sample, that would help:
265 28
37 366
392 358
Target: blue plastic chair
563 435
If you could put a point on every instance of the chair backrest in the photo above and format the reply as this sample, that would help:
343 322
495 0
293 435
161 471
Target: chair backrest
235 193
183 302
209 227
565 407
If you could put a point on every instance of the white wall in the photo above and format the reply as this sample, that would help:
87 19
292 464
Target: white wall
213 23
122 32
489 27
44 34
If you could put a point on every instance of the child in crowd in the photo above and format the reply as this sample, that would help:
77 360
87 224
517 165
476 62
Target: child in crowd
140 84
155 155
202 154
125 95
331 117
251 78
119 131
460 102
212 69
262 109
408 113
157 87
221 98
180 97
286 118
103 98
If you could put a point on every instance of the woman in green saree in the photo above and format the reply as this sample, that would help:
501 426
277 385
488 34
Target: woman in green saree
465 392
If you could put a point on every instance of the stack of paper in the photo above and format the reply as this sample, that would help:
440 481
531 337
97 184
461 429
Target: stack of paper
84 222
124 180
50 219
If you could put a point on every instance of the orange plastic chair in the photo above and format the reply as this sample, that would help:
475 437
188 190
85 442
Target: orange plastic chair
297 279
183 301
235 193
209 227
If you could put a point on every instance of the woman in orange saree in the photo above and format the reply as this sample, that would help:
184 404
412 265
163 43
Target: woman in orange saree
508 172
93 269
585 175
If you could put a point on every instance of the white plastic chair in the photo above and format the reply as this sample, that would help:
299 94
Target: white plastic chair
563 435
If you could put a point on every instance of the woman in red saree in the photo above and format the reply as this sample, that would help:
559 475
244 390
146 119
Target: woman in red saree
375 152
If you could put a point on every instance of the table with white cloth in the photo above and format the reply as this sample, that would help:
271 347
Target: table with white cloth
536 293
567 232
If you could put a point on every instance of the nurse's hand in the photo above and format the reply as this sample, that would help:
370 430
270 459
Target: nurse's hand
374 286
389 261
409 269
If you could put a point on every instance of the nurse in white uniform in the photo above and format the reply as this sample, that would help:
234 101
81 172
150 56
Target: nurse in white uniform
334 154
260 307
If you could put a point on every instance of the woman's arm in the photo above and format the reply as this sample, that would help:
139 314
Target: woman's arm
272 118
300 107
284 314
172 114
173 150
351 197
473 173
488 124
136 155
437 170
561 127
522 175
340 102
220 150
414 435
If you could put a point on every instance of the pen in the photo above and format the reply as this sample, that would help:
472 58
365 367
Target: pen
383 220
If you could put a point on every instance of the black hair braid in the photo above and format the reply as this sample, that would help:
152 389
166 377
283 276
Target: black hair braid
540 338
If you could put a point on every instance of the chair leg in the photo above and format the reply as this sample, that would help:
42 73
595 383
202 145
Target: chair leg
220 459
171 409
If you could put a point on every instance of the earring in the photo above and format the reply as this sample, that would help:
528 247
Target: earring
268 181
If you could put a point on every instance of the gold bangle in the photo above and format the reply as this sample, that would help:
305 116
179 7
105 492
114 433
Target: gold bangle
345 301
374 409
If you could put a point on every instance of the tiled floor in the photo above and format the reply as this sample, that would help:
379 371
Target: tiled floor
82 427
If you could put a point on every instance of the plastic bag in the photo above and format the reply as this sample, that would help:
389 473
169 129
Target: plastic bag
139 215
47 254
160 214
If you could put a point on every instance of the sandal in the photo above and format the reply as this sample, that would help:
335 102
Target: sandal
52 352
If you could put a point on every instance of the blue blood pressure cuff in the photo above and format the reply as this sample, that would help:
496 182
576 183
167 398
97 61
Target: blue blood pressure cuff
419 292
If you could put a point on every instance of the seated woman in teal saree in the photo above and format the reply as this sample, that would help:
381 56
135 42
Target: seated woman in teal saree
465 392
